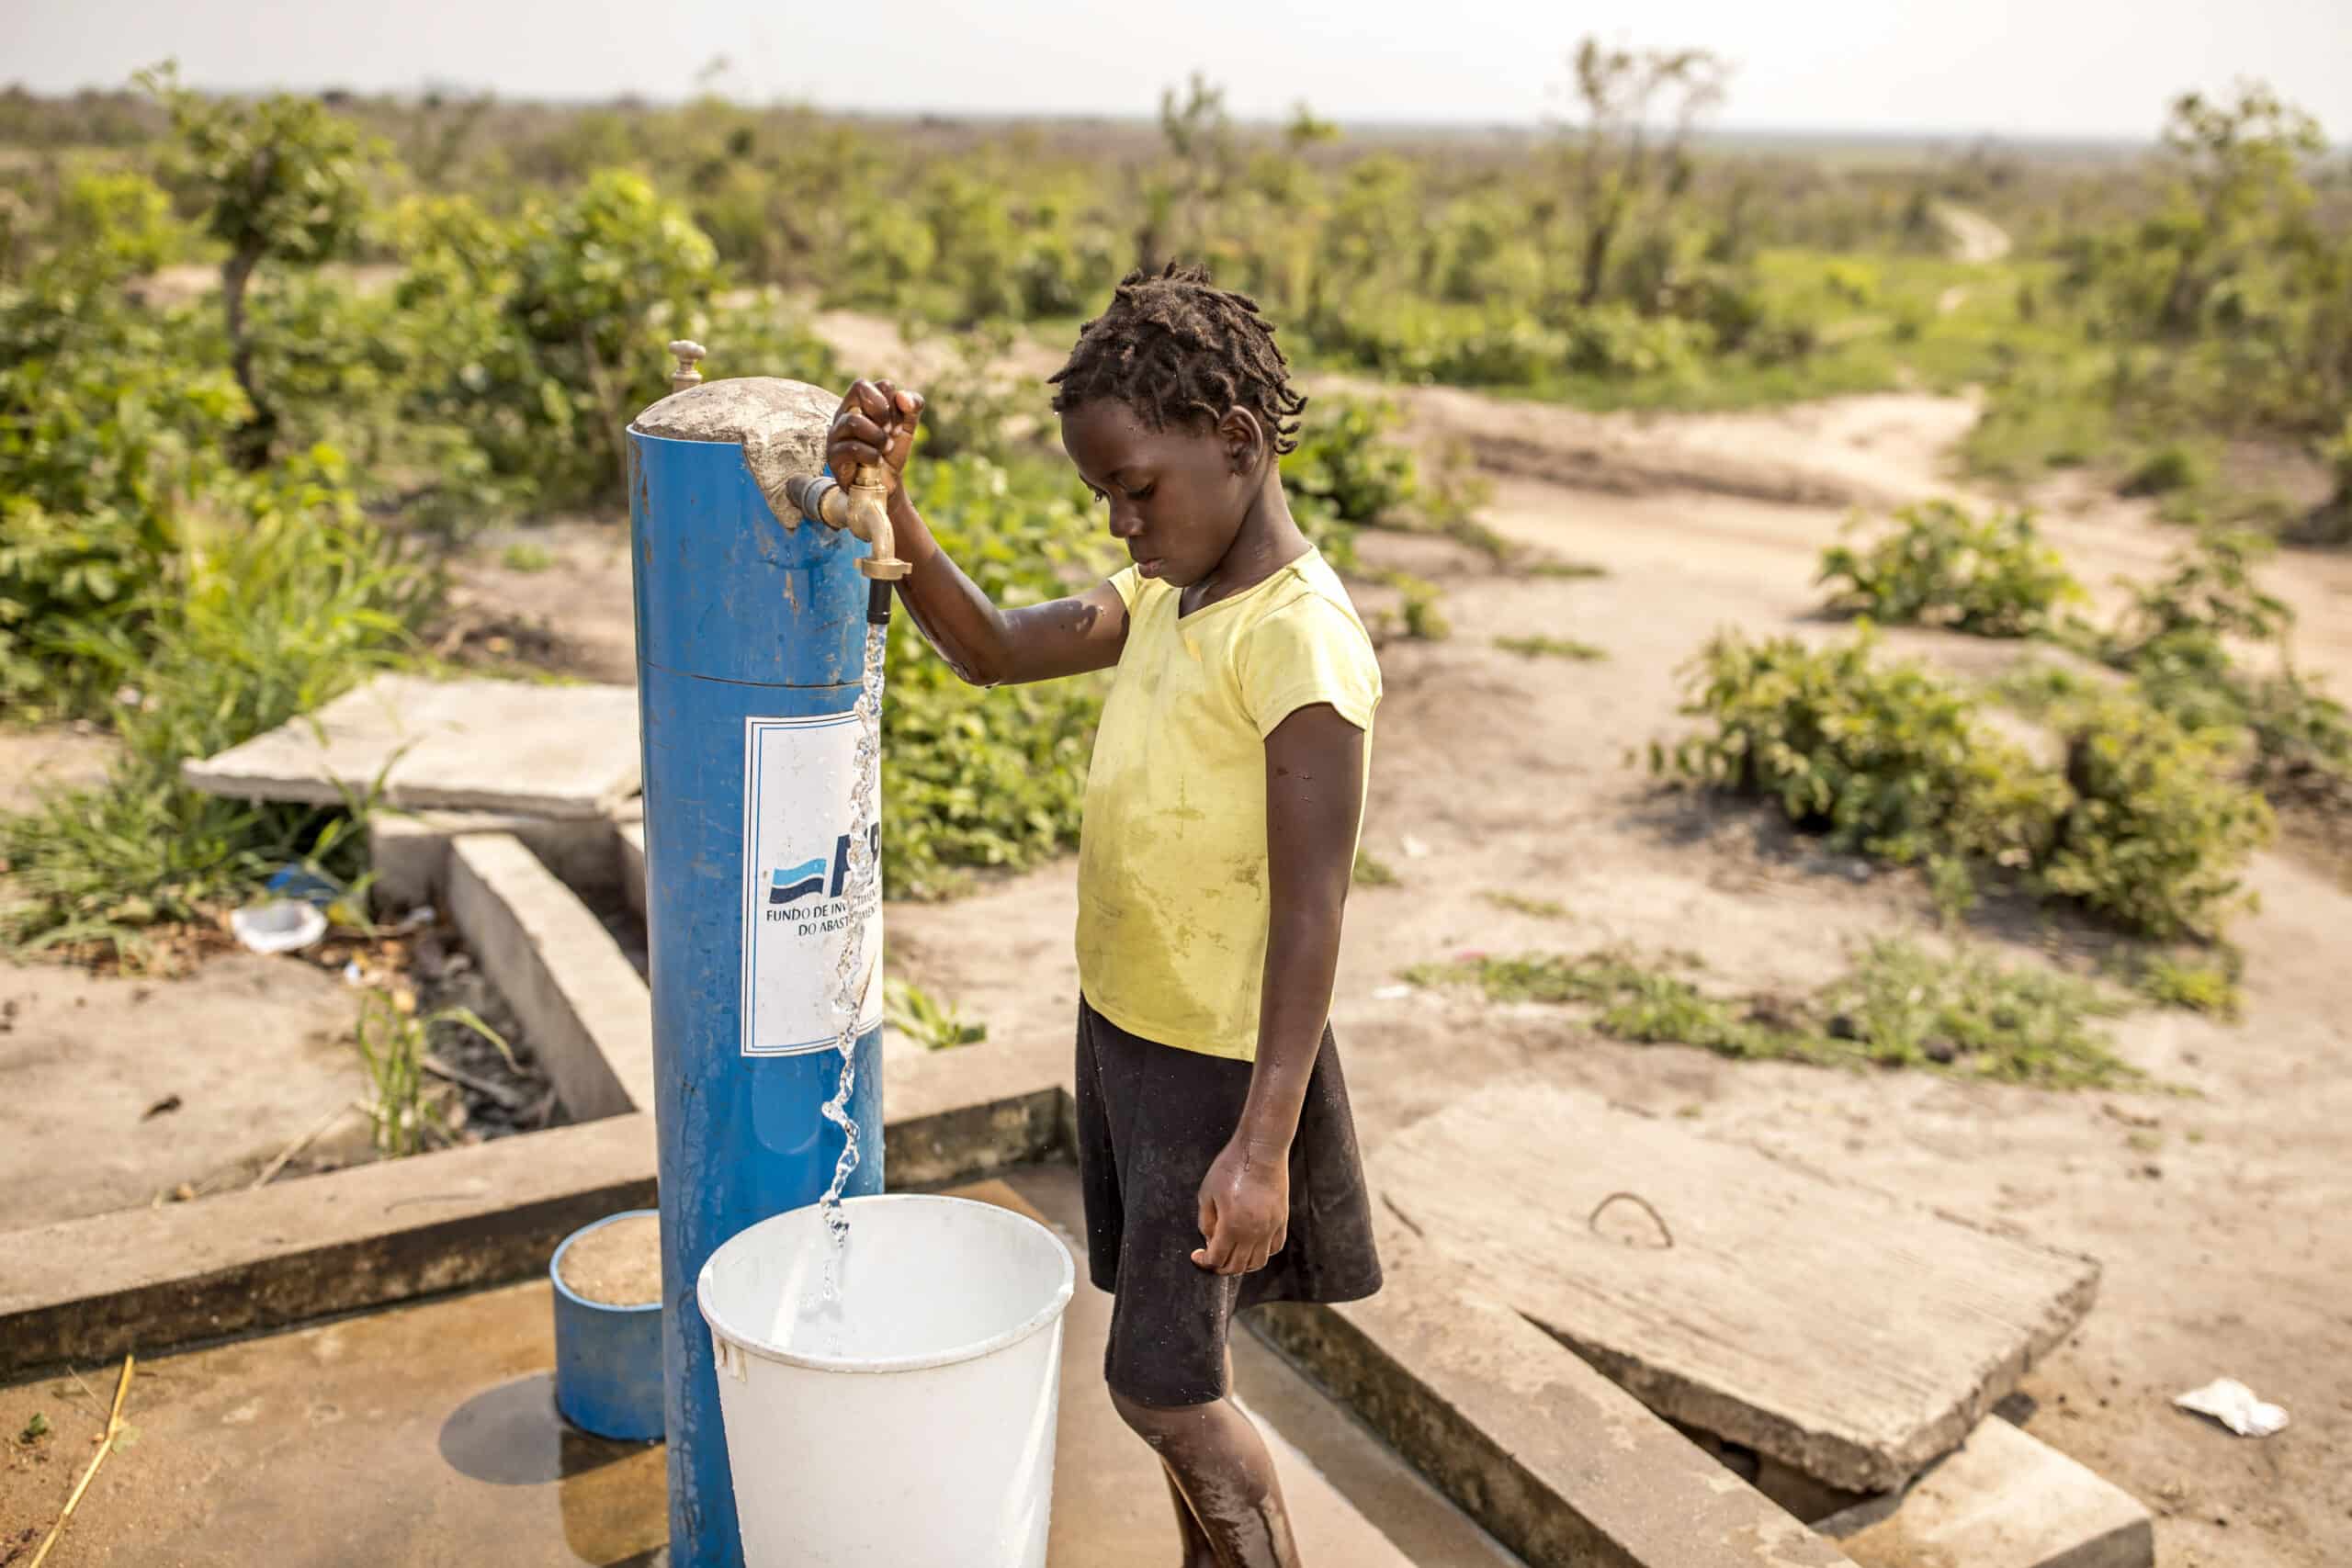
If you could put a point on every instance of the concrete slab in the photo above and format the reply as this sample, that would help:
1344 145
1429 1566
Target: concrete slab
1829 1326
151 1278
85 1291
583 1005
418 1436
1558 1462
461 745
115 1090
2004 1499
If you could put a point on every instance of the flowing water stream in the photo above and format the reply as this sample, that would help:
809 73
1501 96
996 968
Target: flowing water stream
853 977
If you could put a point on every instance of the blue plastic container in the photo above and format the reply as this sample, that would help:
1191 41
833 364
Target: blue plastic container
607 1359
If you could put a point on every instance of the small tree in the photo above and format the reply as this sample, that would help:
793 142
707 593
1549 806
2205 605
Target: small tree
2239 180
1203 162
282 180
1637 110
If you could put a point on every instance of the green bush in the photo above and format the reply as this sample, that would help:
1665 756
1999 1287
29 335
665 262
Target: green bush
1882 756
1347 462
1942 567
2146 827
987 779
2168 470
2157 832
2173 640
284 595
109 419
532 343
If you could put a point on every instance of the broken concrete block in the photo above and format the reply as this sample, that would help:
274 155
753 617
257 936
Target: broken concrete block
582 1004
410 852
1849 1334
456 745
2003 1499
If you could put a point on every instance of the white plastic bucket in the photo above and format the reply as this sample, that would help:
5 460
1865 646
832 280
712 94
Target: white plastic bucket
911 1422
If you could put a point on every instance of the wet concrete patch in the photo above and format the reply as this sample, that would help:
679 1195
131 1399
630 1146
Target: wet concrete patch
427 1435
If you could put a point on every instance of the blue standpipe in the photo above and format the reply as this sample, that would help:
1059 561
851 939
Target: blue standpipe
749 644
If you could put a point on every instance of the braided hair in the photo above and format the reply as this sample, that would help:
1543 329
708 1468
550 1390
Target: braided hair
1178 350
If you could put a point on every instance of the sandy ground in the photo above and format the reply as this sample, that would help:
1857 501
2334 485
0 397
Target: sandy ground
37 763
116 1090
2218 1214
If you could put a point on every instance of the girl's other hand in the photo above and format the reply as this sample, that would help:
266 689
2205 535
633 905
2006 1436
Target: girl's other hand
1245 1208
875 425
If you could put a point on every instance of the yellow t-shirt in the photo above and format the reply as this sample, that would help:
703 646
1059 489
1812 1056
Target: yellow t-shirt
1172 900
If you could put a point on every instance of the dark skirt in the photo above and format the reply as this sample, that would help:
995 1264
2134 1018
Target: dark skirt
1151 1120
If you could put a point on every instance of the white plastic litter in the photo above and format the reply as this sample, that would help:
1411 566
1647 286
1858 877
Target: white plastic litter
1415 848
416 919
2232 1403
1391 993
281 925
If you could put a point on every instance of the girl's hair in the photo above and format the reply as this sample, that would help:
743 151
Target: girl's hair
1177 349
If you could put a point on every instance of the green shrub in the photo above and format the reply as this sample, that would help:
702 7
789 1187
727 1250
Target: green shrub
1347 462
2196 985
1618 343
2146 827
2157 832
539 340
2166 470
1942 567
1882 756
109 419
286 595
2173 642
987 779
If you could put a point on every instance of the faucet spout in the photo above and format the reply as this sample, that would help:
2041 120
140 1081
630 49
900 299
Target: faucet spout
869 519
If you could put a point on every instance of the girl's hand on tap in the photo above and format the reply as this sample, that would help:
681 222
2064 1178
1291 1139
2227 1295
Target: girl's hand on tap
875 426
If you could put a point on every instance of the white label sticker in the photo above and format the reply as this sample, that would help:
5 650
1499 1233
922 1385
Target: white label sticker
796 812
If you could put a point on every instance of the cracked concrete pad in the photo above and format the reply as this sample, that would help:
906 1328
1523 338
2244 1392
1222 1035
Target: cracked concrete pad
1831 1326
2004 1499
568 751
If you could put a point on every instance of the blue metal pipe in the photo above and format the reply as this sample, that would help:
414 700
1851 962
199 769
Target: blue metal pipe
749 642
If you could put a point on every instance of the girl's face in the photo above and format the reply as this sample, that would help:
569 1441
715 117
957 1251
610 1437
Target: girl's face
1177 497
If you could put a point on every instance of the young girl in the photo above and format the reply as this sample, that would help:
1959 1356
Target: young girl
1216 1147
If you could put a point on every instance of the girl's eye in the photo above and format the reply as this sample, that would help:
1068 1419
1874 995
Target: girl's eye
1143 494
1095 493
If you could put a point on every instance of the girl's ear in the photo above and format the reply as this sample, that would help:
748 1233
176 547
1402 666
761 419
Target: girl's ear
1243 437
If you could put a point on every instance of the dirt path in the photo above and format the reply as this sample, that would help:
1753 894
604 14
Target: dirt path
1975 237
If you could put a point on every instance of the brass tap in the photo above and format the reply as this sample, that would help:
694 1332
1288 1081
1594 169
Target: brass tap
869 519
862 506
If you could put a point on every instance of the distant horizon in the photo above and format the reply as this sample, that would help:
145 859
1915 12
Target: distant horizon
2085 72
1710 132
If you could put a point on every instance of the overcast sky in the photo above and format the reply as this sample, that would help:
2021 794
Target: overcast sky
2009 67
